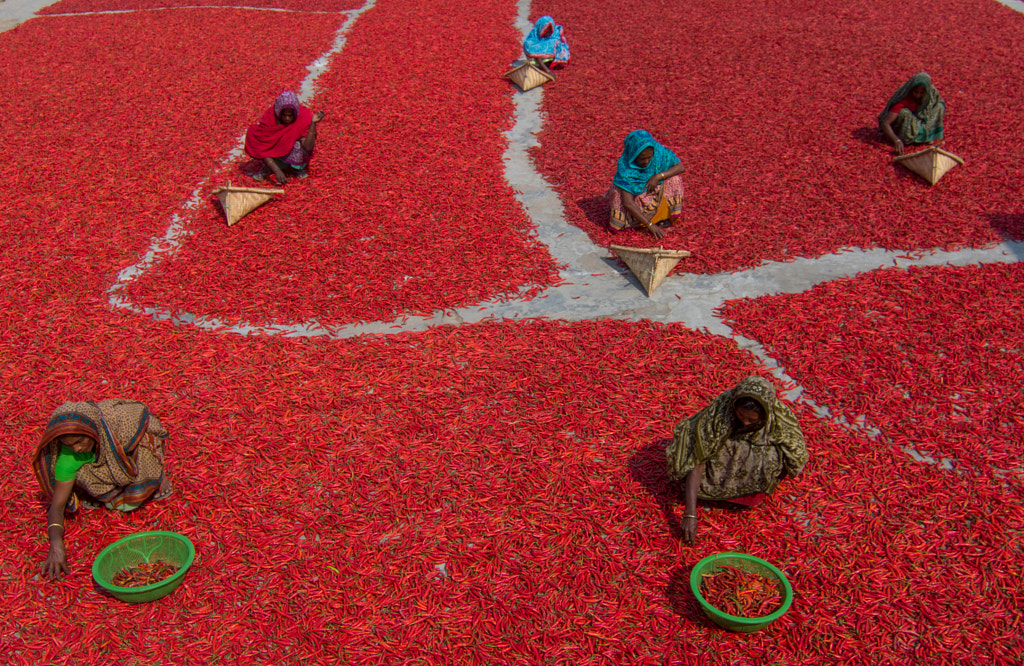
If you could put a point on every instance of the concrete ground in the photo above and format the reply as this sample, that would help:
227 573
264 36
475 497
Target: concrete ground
16 12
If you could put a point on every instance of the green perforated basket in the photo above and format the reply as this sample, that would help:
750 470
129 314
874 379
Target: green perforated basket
712 563
133 549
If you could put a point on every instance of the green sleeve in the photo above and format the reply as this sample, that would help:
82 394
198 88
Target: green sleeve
69 462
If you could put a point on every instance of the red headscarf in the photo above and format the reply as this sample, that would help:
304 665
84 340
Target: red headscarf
269 138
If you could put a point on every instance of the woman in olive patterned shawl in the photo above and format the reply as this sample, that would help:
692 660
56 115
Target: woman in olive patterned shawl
737 449
914 114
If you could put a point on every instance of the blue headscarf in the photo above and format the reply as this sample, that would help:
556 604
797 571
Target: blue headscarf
551 47
629 176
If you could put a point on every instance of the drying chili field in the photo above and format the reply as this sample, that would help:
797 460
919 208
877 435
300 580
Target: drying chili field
496 493
772 107
931 356
409 211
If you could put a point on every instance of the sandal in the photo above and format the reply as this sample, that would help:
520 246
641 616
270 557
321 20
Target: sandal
260 175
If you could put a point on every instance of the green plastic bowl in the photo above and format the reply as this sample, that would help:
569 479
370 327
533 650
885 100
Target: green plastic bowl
133 549
713 563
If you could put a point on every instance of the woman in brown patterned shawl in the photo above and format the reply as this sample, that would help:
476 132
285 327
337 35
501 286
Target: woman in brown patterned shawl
736 449
107 453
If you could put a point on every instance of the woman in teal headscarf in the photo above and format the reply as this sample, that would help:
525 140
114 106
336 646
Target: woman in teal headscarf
914 114
546 45
647 174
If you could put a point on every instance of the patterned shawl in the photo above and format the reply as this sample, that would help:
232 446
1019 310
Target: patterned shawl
929 113
553 46
129 451
700 437
628 175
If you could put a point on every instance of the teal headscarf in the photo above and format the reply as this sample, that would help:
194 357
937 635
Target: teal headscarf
629 176
553 47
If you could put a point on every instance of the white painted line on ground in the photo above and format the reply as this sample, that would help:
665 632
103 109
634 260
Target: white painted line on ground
176 8
1015 5
597 288
167 245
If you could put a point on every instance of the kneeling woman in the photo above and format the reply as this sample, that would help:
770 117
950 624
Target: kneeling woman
914 114
646 172
284 139
109 453
545 46
736 449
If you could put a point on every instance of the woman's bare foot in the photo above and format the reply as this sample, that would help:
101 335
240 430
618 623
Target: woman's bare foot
164 491
89 503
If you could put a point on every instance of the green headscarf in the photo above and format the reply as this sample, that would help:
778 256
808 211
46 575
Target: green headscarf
926 123
699 438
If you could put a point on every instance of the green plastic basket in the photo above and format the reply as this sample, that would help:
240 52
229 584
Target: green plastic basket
712 563
133 549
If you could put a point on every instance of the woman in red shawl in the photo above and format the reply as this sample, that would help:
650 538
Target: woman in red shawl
283 138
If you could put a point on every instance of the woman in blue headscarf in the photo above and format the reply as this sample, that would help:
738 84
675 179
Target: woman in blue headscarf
546 45
648 173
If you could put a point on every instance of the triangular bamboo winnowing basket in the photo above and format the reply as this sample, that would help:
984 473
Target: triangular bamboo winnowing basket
932 163
240 201
527 76
650 265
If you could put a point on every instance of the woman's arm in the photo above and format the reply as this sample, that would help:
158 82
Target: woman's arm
309 141
56 559
671 172
889 134
629 203
693 480
276 170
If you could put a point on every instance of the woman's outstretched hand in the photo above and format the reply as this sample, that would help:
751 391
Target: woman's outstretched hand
689 526
56 562
318 116
657 231
898 146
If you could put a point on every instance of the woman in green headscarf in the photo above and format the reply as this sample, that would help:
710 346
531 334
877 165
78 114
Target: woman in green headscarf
94 454
736 449
914 114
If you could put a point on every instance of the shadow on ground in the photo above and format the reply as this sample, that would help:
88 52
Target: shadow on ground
680 597
869 135
648 468
596 210
1010 226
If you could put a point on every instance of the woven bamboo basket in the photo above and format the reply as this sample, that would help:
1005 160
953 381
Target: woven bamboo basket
240 201
528 76
932 163
650 265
